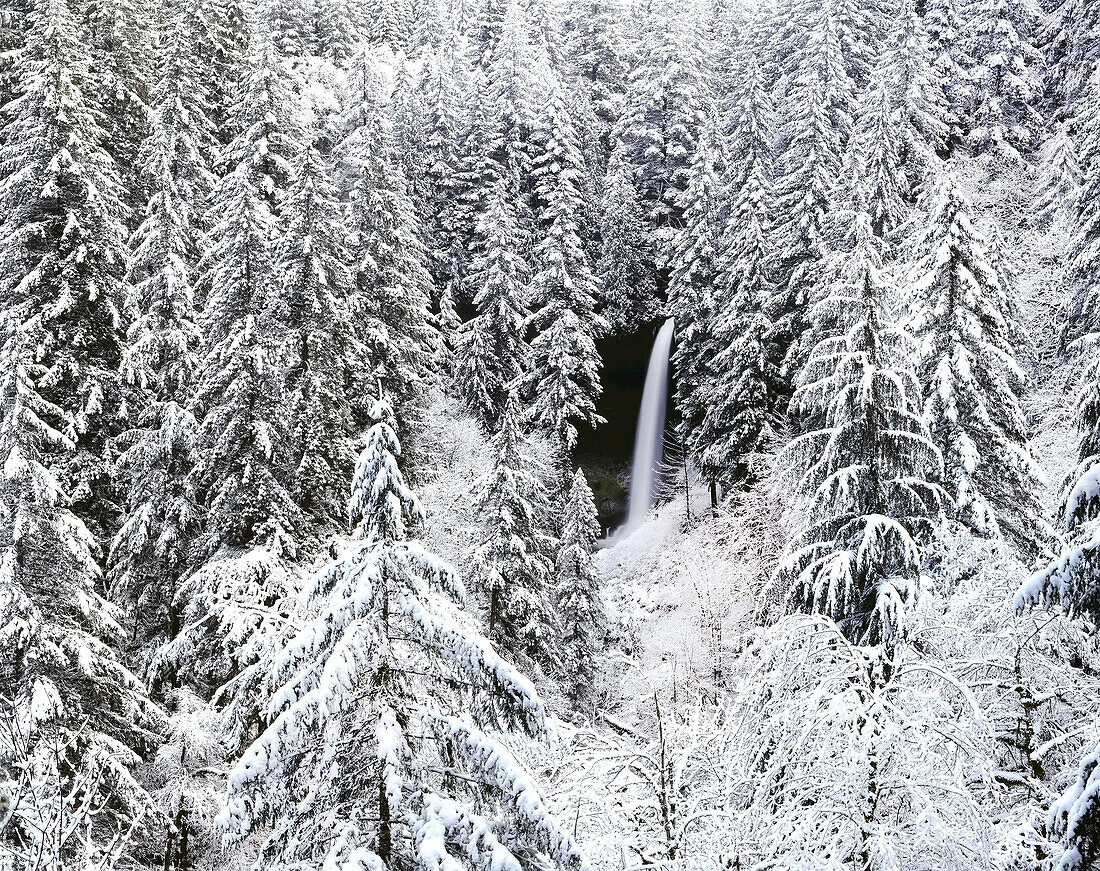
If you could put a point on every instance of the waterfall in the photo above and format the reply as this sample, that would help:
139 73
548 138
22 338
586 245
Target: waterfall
649 439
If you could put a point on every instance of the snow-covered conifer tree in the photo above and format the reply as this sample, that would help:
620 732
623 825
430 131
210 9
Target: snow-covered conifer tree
1004 76
490 351
563 379
919 93
873 165
151 549
580 605
625 269
511 569
743 387
73 719
595 66
384 713
967 335
867 477
320 346
62 248
265 120
815 121
667 93
390 303
243 467
438 94
692 286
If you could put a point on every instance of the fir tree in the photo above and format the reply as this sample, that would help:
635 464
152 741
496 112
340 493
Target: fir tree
320 345
511 571
390 303
580 606
563 379
62 241
692 289
625 269
75 719
1003 117
243 470
744 384
866 478
667 94
815 121
874 168
388 671
490 351
919 94
265 121
967 334
151 549
119 40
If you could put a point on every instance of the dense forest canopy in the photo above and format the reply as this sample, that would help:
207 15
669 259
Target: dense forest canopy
302 305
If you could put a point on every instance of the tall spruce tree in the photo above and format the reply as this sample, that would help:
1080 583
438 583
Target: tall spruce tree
967 334
580 606
1004 72
244 468
151 550
625 267
391 299
320 346
667 92
386 670
490 350
692 291
511 569
75 720
63 246
815 121
744 386
867 477
563 380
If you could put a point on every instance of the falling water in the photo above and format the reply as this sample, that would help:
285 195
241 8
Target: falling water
650 437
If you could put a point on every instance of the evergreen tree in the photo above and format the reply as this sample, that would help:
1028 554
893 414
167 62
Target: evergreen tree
919 94
667 95
625 269
62 241
511 570
944 24
692 293
580 606
265 121
513 84
434 197
873 165
815 121
220 41
563 380
1083 315
244 468
151 549
967 336
320 348
1005 68
387 670
74 719
744 384
596 71
119 41
289 24
390 303
490 351
866 477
